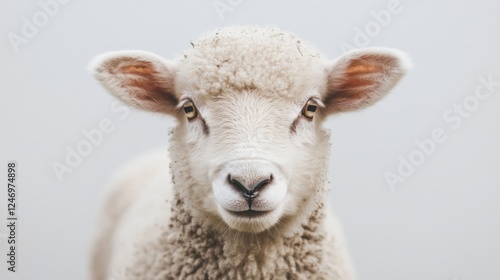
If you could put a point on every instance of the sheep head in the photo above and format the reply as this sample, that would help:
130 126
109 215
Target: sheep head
249 104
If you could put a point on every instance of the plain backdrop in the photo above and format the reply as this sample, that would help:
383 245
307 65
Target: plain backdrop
442 222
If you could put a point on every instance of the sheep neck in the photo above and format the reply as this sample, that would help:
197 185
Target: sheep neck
250 256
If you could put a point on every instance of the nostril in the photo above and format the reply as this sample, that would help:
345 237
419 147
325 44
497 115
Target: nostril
262 184
249 193
237 184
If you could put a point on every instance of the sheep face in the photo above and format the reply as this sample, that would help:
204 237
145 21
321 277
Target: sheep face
249 104
258 154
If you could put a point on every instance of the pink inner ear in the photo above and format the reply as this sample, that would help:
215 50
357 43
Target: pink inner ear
141 75
138 68
149 87
364 71
357 68
358 82
139 79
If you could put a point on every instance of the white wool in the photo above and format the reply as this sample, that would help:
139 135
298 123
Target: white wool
268 60
247 89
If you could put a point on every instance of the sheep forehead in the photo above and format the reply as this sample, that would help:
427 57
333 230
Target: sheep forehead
250 106
269 61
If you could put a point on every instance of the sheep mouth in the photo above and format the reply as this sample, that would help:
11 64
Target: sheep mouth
249 213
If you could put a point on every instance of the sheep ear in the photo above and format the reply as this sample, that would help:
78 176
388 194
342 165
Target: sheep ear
140 79
360 78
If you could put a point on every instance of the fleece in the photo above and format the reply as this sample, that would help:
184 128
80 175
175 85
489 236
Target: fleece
189 248
268 60
154 226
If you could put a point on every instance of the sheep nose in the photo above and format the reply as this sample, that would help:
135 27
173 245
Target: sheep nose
249 192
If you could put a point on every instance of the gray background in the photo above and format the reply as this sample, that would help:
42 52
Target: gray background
441 223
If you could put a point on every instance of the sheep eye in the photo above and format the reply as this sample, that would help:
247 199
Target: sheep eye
190 110
309 109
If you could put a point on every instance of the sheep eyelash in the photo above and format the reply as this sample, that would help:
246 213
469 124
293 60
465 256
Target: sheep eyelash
318 101
183 101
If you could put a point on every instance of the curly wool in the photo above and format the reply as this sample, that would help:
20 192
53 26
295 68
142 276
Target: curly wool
189 248
193 251
268 61
252 91
233 59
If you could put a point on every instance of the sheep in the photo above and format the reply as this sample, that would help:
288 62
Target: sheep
241 192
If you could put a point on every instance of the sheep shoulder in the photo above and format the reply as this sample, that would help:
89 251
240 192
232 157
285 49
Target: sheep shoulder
137 208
